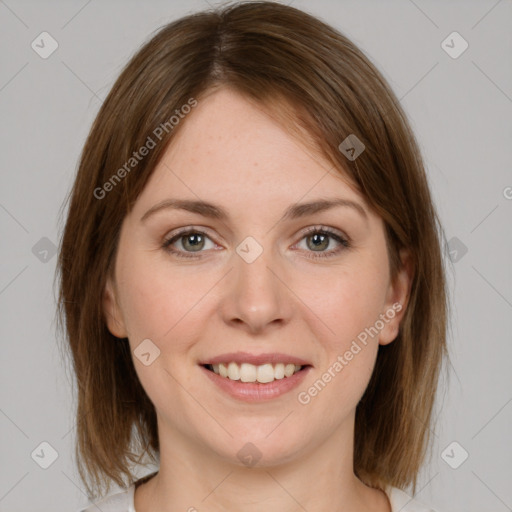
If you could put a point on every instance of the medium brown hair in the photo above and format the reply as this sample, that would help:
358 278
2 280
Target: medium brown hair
323 88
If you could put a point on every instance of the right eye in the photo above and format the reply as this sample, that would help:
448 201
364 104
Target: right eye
191 241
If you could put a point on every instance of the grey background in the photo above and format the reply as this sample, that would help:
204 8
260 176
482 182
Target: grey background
461 111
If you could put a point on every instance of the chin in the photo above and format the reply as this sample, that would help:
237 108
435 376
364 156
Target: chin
267 450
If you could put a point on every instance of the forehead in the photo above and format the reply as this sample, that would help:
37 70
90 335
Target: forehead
230 147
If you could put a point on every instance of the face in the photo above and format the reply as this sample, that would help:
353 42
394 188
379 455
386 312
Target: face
266 286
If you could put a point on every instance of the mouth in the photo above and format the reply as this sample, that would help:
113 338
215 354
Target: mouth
247 372
255 378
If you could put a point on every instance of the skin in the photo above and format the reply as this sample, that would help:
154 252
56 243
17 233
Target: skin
231 153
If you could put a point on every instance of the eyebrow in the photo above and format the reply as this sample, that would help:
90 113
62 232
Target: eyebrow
294 211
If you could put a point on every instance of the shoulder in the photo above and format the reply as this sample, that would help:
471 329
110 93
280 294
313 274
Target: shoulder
118 502
401 501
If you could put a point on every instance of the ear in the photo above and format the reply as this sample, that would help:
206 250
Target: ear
397 299
112 311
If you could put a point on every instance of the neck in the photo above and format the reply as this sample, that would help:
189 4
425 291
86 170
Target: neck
193 478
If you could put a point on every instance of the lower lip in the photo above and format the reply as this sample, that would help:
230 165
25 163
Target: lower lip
255 391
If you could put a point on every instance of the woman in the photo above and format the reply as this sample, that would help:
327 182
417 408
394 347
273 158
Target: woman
251 275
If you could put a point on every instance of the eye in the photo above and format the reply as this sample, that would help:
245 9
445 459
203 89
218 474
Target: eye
319 238
191 241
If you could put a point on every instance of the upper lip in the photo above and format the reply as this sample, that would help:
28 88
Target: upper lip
255 359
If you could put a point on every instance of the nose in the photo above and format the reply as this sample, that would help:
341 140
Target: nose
256 297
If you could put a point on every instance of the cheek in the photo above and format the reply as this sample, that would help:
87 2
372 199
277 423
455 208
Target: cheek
162 304
149 307
347 304
345 301
349 355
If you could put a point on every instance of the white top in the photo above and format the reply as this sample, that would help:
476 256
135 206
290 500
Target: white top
124 502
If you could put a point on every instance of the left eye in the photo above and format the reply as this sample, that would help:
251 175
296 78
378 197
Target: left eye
318 239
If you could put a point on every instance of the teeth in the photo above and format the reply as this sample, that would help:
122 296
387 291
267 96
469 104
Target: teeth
223 371
279 371
263 373
289 370
248 372
233 371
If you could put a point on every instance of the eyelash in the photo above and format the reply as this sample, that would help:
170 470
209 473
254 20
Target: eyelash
345 244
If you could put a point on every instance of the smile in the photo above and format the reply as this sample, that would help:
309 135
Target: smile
247 372
255 383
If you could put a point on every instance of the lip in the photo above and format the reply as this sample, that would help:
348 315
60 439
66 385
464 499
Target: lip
255 391
256 359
